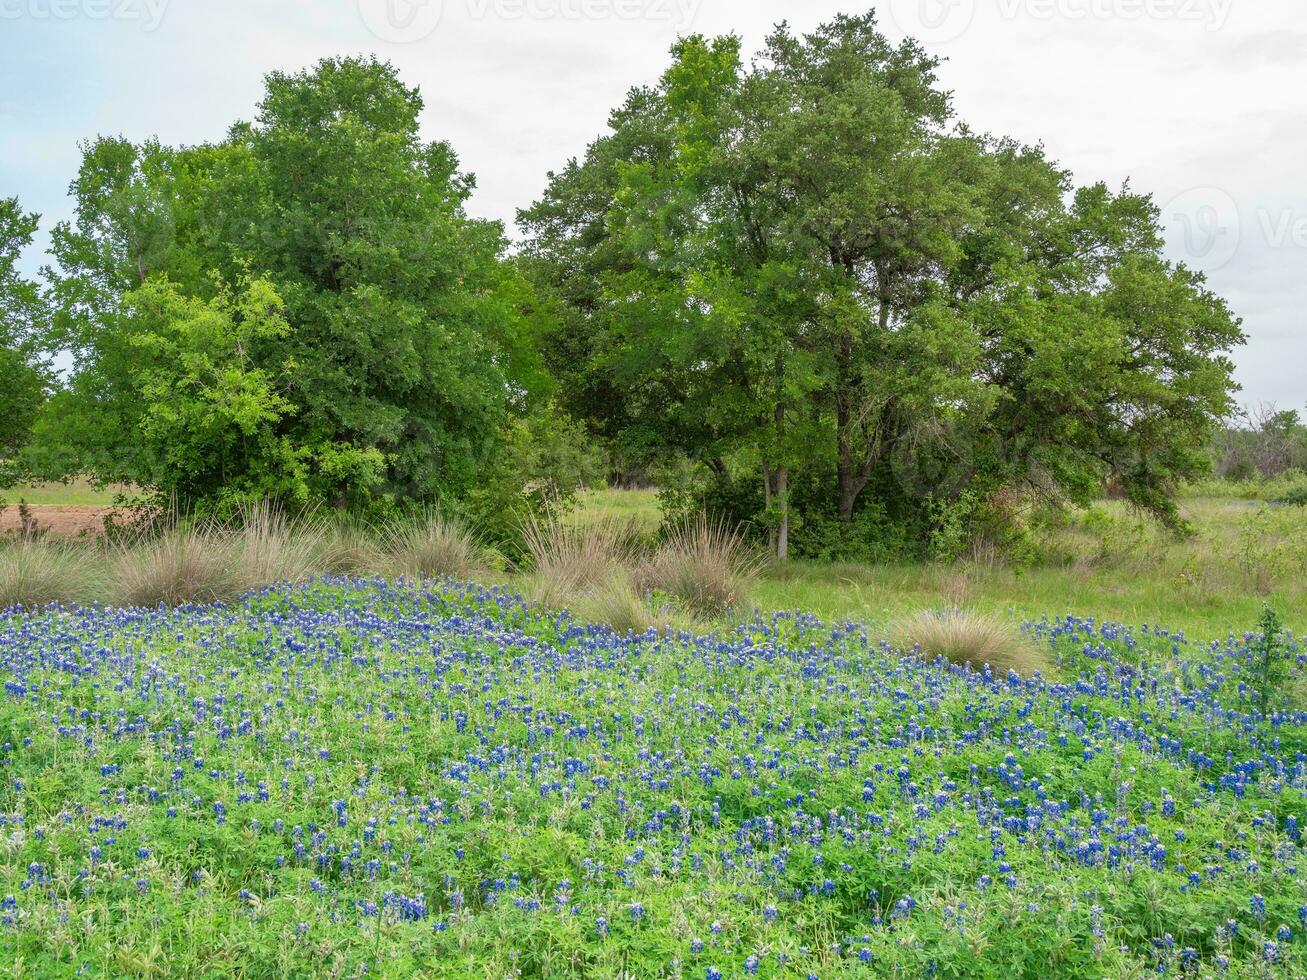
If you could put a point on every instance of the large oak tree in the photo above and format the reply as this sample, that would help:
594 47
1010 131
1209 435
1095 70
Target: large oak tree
809 264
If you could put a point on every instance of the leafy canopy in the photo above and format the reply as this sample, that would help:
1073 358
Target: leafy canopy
808 270
22 374
303 310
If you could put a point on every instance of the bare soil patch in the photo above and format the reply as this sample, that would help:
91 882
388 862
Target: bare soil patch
64 522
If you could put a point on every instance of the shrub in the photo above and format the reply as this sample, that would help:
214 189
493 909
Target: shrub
705 565
432 546
542 462
271 548
969 638
36 572
570 558
1294 496
179 565
1271 662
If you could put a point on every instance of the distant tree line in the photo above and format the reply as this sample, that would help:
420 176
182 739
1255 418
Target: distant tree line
1261 442
799 292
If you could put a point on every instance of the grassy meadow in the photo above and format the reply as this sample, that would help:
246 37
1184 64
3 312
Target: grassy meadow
76 493
272 748
1108 563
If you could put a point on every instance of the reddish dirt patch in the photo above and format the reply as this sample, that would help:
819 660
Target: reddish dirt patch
61 521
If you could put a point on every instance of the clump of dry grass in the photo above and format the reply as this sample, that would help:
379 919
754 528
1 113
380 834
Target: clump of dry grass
270 548
350 548
705 565
432 546
179 565
35 572
617 604
971 638
573 559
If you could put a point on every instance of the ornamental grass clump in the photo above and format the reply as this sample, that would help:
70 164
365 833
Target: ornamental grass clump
269 547
569 560
617 605
706 566
431 546
36 572
972 638
179 565
349 548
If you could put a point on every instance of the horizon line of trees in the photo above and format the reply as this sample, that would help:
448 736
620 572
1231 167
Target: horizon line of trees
798 291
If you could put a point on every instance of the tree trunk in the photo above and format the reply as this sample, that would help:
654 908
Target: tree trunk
844 397
783 494
778 485
772 543
853 468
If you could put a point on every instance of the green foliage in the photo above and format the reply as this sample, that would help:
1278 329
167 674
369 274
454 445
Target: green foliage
22 375
176 400
811 265
346 333
543 460
1261 443
1270 660
1295 495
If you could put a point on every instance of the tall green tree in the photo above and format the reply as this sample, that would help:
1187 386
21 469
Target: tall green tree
812 265
404 348
23 376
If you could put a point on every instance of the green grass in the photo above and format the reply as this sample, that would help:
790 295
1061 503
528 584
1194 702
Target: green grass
888 593
1107 563
637 507
76 494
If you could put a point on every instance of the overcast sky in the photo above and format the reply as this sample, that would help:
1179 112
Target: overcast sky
1198 102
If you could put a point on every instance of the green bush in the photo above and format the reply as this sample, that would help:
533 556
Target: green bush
1294 496
542 462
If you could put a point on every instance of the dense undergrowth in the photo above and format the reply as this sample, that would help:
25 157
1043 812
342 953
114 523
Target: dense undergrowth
354 777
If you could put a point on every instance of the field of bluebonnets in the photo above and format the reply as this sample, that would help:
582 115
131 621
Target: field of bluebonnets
353 778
